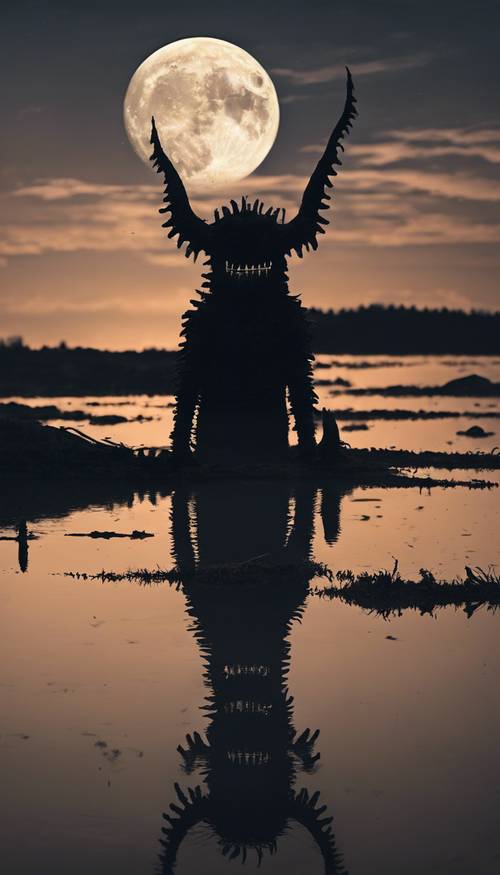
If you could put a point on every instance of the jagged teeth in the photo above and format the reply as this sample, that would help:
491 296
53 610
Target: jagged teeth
240 270
248 758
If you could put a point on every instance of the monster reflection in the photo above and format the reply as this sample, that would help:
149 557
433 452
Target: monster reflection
252 754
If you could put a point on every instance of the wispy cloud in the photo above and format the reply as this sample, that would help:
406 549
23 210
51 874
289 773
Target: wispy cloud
319 75
67 188
429 229
293 98
71 215
45 305
407 203
64 189
465 186
463 135
421 196
416 145
162 259
109 229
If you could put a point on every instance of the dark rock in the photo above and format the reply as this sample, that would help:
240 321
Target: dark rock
355 426
475 431
470 385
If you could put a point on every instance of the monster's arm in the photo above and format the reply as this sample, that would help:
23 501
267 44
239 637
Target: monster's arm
301 392
188 387
187 398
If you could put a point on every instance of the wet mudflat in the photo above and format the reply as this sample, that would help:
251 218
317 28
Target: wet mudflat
113 693
142 420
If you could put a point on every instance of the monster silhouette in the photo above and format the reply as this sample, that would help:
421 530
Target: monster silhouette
246 341
251 756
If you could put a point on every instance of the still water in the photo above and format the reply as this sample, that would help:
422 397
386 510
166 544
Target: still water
113 693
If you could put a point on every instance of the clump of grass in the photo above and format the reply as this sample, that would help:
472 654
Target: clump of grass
256 570
134 536
141 575
386 592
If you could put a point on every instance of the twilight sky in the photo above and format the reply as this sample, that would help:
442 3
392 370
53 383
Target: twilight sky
415 219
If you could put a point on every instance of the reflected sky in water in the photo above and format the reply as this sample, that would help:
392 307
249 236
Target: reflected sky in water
115 693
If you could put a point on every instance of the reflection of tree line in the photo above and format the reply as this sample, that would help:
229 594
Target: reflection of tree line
23 503
252 753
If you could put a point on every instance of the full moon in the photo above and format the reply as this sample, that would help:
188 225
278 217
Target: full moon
215 108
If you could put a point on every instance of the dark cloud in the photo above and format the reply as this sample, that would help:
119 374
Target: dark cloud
362 68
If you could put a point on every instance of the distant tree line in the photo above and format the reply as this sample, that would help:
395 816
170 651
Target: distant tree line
62 370
405 331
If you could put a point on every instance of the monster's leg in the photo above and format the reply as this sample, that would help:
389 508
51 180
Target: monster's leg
183 424
302 400
299 375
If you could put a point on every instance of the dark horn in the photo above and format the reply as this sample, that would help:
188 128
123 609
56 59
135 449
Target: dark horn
183 219
305 226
